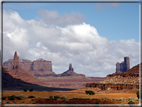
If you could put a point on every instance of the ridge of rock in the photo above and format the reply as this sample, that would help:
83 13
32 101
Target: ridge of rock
119 81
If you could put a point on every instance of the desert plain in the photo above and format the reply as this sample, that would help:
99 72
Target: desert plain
77 96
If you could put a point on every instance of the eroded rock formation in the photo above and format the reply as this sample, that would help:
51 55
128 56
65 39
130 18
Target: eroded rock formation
70 72
16 61
123 66
33 67
119 81
23 74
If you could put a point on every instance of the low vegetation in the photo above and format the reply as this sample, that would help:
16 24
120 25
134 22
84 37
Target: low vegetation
31 96
137 94
4 98
23 96
11 97
96 102
25 90
131 102
90 92
30 89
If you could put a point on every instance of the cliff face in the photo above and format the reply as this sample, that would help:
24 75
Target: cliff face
119 81
23 74
123 66
33 67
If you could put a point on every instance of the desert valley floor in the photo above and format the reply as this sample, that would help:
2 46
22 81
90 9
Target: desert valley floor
73 97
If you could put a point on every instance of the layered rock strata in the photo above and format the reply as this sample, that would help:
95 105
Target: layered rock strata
33 67
119 81
23 74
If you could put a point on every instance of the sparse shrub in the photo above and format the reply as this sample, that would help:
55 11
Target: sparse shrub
104 99
34 102
25 89
8 102
31 96
51 97
96 102
22 101
39 97
17 97
56 97
137 94
14 101
90 92
64 96
12 97
23 96
30 89
112 99
131 102
3 98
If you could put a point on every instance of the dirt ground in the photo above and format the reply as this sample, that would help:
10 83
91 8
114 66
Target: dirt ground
80 93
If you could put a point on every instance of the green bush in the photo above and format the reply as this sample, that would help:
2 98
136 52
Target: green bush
12 97
137 94
51 97
31 96
131 102
25 90
17 97
96 102
3 98
30 89
56 97
90 92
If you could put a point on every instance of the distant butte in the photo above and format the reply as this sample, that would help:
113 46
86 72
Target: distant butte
123 66
23 74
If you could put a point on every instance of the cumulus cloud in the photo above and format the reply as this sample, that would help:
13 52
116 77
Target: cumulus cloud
78 43
53 17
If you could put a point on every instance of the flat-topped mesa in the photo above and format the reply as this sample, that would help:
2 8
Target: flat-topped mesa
16 61
123 66
70 67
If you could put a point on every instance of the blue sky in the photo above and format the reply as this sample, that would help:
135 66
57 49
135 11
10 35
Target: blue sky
120 21
91 36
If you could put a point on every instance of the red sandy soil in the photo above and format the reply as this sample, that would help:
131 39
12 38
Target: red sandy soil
80 93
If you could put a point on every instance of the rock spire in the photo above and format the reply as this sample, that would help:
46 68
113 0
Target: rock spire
16 61
70 67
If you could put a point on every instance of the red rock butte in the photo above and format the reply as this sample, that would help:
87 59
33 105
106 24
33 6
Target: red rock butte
123 66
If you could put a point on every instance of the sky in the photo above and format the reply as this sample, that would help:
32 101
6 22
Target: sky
91 36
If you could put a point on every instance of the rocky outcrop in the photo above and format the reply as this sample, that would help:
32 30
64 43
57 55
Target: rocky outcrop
70 72
123 66
23 74
38 67
119 81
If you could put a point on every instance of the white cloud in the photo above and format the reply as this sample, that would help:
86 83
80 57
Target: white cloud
53 17
77 43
